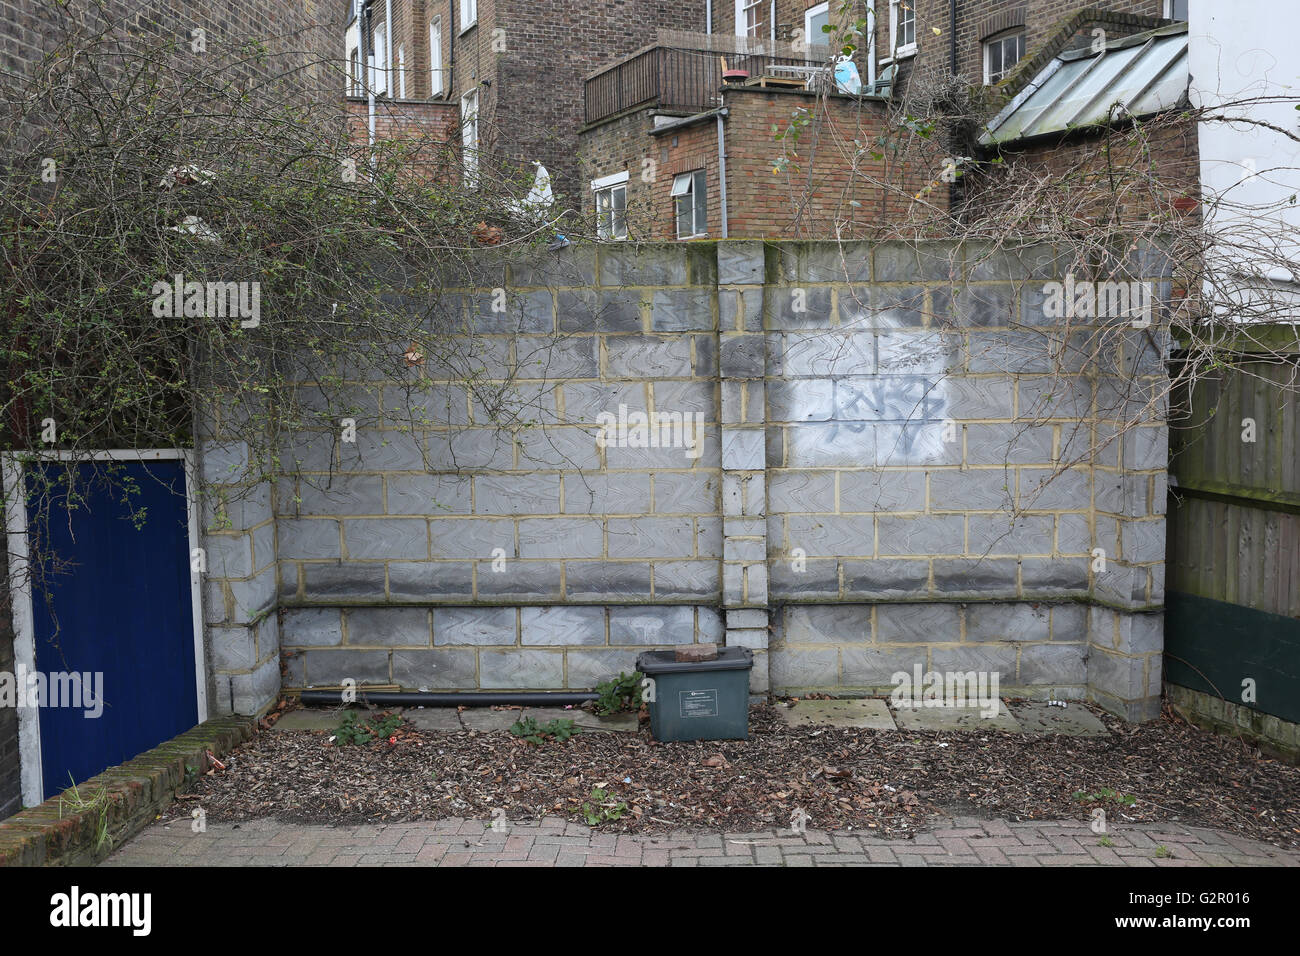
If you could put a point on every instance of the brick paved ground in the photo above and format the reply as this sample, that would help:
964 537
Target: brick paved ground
557 842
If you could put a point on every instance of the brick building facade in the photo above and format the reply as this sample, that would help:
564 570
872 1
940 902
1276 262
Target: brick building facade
765 197
520 65
1041 22
929 25
992 45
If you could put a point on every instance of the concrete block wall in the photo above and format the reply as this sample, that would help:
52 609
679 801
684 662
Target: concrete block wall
499 541
242 625
937 441
870 492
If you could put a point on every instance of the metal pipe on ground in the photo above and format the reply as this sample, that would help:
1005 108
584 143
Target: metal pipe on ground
334 698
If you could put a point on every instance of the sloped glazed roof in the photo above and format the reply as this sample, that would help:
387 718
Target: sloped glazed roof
1133 77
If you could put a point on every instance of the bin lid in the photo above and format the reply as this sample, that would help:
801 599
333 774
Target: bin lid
665 662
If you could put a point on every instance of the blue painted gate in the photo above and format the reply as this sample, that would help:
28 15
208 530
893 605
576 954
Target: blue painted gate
123 608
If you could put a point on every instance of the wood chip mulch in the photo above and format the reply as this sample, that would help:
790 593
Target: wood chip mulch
887 782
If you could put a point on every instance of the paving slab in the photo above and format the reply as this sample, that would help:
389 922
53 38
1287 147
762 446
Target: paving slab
954 718
870 713
623 723
433 718
1074 720
309 719
487 719
461 842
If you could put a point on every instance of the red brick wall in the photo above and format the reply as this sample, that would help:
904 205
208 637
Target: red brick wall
789 17
551 45
977 20
312 27
651 162
527 59
824 179
1121 175
431 129
759 201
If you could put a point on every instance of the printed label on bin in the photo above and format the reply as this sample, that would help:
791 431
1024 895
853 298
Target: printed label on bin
698 703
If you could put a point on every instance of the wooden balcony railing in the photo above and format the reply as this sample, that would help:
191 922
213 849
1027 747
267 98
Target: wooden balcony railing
671 78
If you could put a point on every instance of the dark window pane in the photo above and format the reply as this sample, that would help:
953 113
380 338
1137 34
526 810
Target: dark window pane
701 203
683 216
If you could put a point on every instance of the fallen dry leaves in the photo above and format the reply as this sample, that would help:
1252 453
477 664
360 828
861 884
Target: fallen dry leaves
890 782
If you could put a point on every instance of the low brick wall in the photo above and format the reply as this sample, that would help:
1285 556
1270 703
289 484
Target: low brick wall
55 835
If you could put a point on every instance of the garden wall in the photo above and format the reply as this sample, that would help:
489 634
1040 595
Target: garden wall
863 487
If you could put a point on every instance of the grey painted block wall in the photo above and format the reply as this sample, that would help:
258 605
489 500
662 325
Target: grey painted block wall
893 434
936 437
238 535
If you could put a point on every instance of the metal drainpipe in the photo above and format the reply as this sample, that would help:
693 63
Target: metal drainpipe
334 698
390 38
722 169
708 17
871 42
953 187
952 34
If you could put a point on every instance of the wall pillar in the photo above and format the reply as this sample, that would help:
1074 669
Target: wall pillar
742 368
239 598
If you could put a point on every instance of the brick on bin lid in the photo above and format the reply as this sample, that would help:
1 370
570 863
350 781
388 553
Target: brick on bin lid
696 652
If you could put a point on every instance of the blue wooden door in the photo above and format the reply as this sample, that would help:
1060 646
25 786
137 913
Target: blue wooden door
119 604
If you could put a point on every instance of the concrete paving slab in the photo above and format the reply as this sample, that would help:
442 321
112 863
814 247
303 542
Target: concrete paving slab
1075 720
433 718
954 718
622 723
487 719
866 712
309 719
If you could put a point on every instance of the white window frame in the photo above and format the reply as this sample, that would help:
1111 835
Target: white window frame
379 67
609 185
699 229
896 21
808 35
356 81
468 14
1000 41
31 780
436 84
469 137
356 73
401 72
743 8
1169 10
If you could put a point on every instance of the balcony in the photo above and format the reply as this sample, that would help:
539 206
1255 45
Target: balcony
675 78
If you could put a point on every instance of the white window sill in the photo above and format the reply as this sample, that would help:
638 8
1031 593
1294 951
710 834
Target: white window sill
904 52
467 27
698 235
